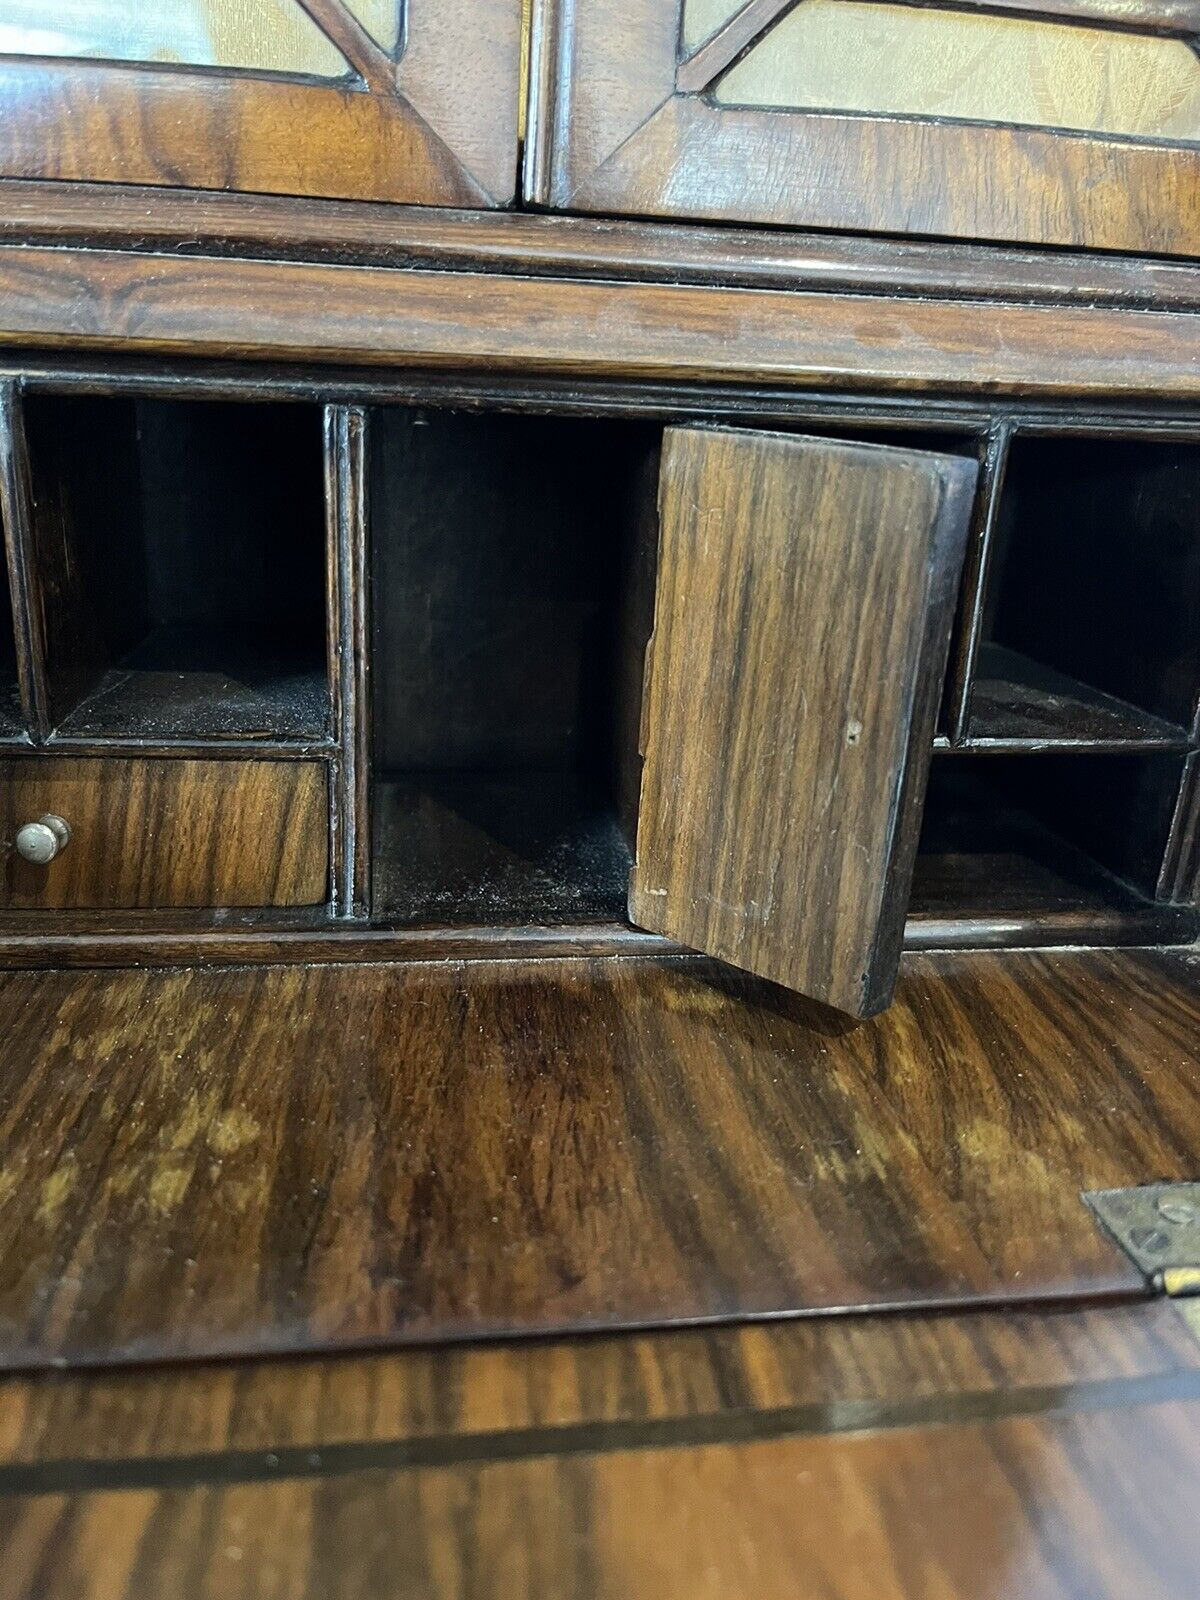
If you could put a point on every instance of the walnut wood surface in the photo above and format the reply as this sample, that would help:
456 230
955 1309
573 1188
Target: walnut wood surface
408 1153
1008 1510
198 223
271 311
829 1373
802 622
347 430
610 132
23 589
168 833
438 128
866 1460
965 918
35 941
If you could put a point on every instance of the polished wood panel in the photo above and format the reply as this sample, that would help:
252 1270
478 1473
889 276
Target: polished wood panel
168 833
611 131
370 1425
804 598
881 174
347 429
34 941
960 914
200 223
442 1151
33 711
71 119
438 127
819 1374
1053 1494
221 307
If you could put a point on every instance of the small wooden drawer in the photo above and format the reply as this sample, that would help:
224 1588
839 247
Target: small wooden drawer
158 834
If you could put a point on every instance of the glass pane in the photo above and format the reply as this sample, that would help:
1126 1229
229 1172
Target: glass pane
843 55
267 35
381 19
702 18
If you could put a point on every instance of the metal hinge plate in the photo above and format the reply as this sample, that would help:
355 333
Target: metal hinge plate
1158 1227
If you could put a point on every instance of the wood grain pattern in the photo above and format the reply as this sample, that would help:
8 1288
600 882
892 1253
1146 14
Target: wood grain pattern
71 119
272 311
892 175
966 915
16 512
827 1373
804 599
346 501
327 1424
832 1373
646 149
198 223
168 833
1070 1496
460 71
439 128
435 1152
36 941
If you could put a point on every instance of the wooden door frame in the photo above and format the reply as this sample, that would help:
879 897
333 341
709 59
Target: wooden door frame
621 123
437 126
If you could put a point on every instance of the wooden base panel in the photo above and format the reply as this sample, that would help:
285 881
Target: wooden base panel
1003 1453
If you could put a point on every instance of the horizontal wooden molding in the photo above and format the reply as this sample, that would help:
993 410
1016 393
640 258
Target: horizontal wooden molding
225 307
274 227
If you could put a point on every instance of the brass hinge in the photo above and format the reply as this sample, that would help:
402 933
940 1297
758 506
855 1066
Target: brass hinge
1158 1227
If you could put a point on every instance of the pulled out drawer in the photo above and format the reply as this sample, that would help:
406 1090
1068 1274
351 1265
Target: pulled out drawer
81 833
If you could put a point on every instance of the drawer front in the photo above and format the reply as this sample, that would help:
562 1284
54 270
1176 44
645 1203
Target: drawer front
152 835
1023 120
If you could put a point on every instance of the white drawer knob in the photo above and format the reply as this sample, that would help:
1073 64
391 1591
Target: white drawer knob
42 840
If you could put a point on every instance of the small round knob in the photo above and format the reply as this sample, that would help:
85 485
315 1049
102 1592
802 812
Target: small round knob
42 840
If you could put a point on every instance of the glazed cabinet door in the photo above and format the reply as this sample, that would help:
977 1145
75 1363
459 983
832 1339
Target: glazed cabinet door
402 100
802 614
1064 122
